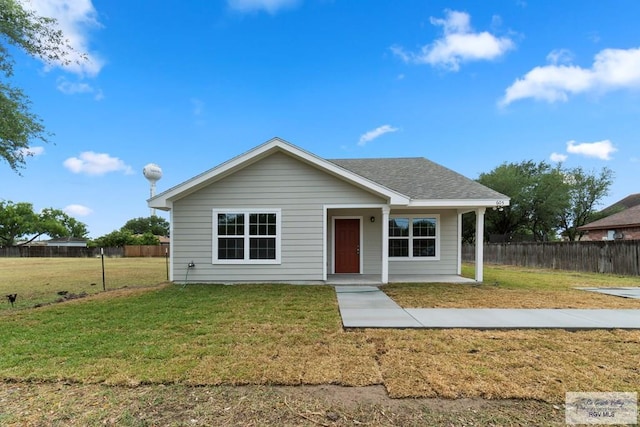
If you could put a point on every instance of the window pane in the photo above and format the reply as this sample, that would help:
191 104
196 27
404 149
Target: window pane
424 247
398 247
262 248
231 248
399 227
230 224
424 227
262 224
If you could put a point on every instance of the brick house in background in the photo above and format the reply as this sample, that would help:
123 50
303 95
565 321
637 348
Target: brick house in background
622 225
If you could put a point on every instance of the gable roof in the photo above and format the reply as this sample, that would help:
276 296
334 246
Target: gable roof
403 182
420 178
165 199
629 217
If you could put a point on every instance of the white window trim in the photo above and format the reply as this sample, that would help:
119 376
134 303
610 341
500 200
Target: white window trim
247 212
411 217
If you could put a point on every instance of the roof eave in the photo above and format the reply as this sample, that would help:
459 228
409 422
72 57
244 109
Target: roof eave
606 226
459 203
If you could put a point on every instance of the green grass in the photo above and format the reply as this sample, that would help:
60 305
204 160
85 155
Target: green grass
515 287
163 334
291 335
38 280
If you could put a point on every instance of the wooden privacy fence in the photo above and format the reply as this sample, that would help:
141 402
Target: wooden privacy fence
145 250
610 256
78 252
57 252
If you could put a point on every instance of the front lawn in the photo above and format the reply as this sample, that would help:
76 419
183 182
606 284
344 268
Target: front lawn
516 287
292 335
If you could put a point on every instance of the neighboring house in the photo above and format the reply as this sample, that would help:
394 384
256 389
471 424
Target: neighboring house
68 241
624 225
281 214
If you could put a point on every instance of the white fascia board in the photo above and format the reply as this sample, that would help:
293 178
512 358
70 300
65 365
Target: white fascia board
164 200
459 203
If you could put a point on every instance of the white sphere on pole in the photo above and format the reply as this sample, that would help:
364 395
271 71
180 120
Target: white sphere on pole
152 172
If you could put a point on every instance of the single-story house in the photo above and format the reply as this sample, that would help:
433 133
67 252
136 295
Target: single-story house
278 213
624 225
75 242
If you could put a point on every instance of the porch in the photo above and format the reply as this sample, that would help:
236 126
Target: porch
376 279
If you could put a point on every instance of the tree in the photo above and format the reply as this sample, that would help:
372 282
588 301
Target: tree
539 196
123 237
20 221
545 200
586 190
154 225
39 37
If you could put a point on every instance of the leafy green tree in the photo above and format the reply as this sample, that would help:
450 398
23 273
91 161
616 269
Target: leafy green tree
116 238
539 196
154 225
20 221
148 239
545 200
123 237
586 190
39 37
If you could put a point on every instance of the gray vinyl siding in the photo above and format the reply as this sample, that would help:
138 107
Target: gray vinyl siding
448 262
275 182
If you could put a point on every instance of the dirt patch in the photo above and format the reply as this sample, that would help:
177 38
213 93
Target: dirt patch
48 404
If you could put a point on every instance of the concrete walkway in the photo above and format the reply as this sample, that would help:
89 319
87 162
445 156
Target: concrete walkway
369 307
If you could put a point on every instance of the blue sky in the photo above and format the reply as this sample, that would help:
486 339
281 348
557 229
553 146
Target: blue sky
190 84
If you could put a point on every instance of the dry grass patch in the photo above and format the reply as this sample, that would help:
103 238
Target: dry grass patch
29 404
38 280
511 287
532 364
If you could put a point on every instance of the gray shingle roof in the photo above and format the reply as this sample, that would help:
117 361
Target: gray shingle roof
628 202
419 178
626 218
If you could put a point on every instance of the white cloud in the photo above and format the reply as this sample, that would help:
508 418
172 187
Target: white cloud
72 88
612 69
560 56
31 151
270 6
373 134
558 158
459 44
77 210
601 149
75 18
92 163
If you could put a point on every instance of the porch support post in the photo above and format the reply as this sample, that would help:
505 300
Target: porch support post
479 243
459 270
384 273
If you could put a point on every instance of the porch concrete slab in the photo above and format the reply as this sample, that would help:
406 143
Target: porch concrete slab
625 292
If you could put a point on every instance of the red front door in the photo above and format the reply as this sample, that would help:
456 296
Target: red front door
347 246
